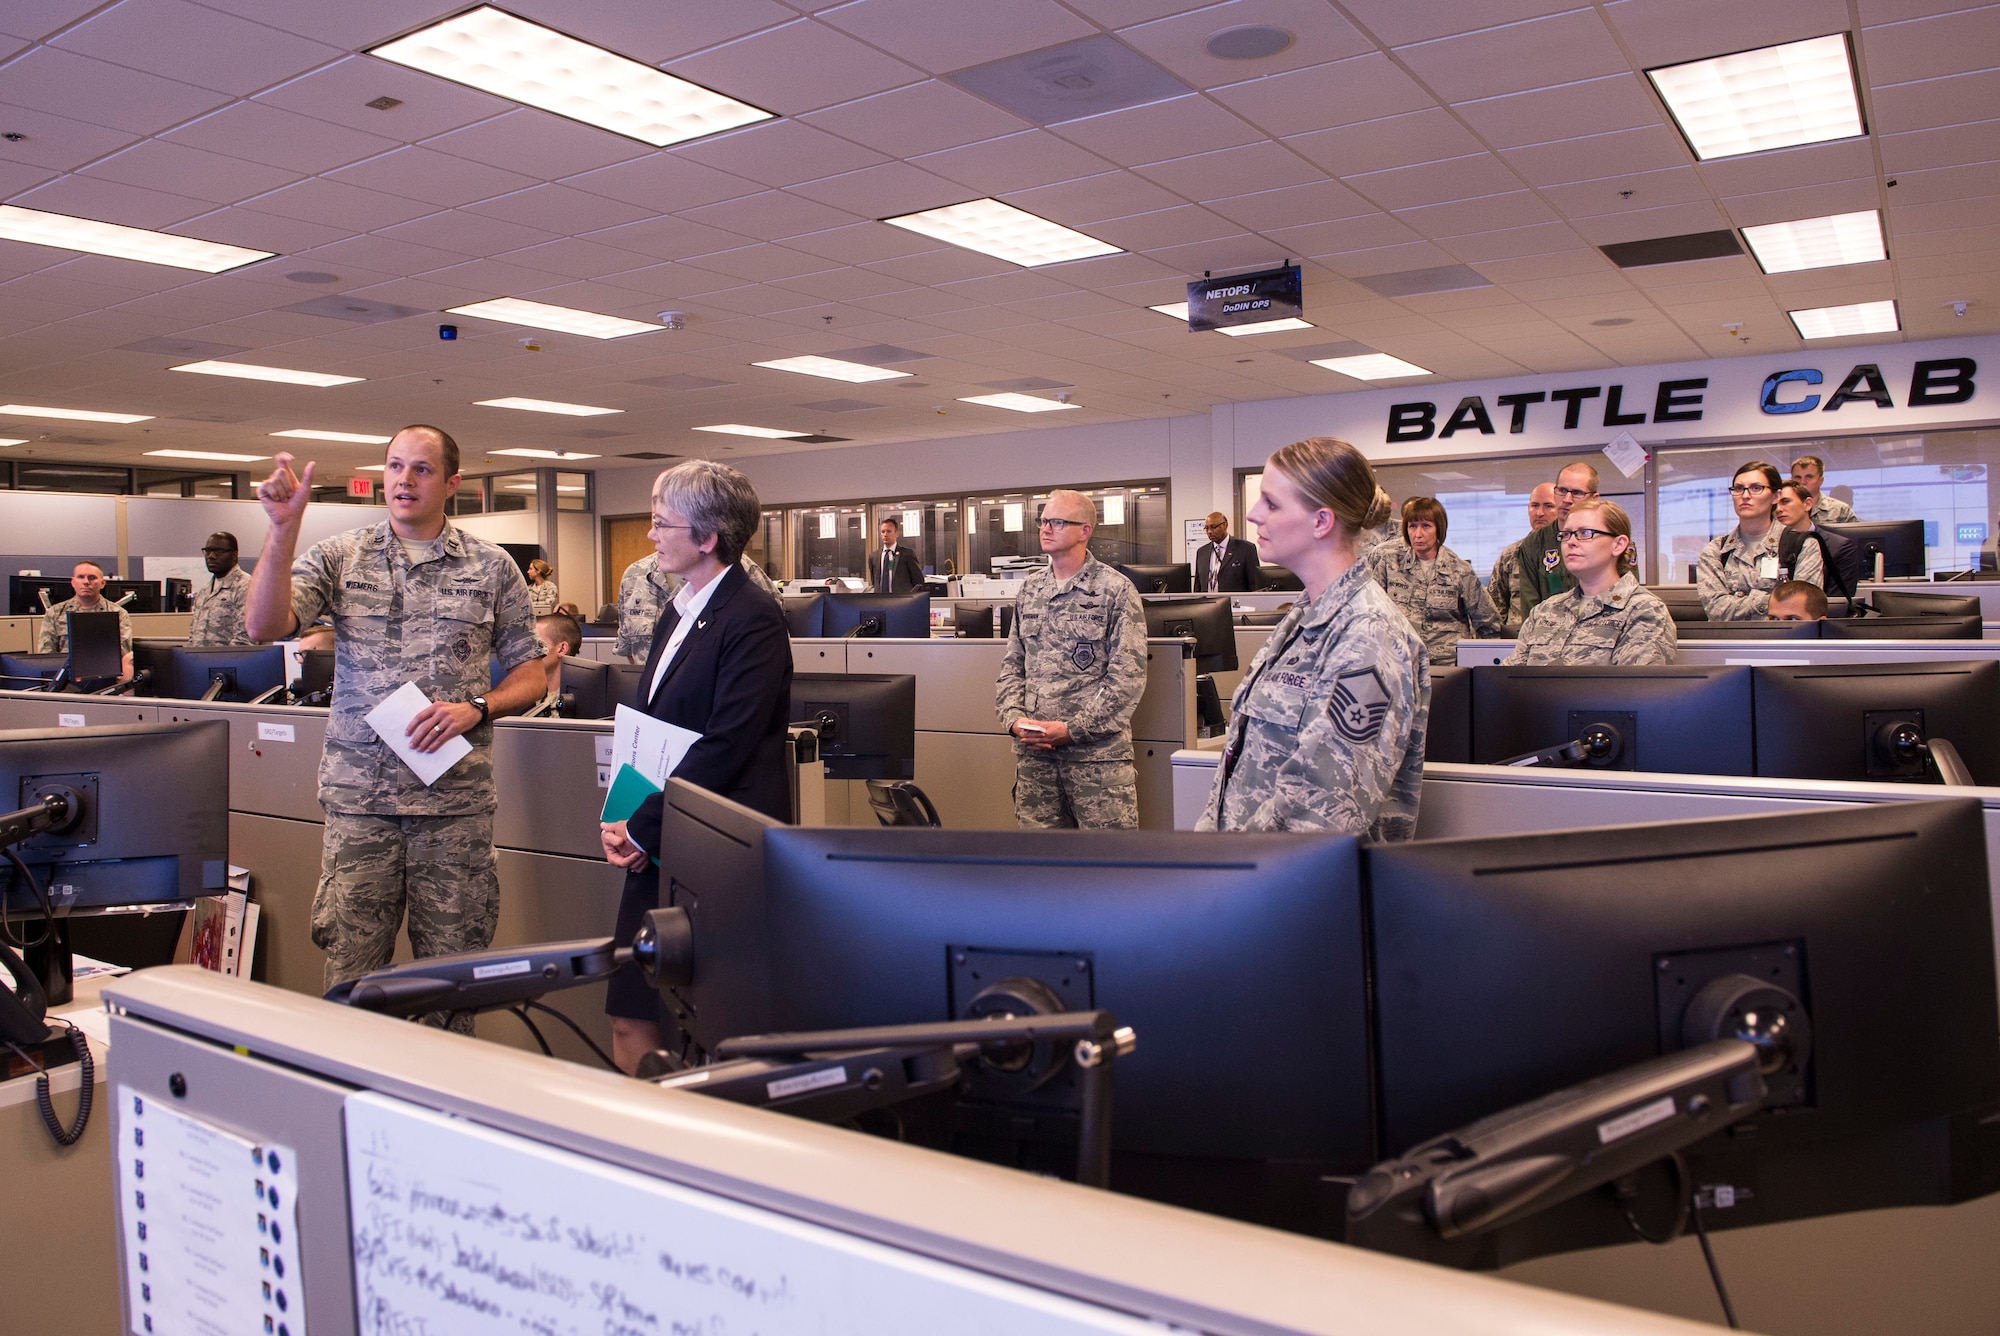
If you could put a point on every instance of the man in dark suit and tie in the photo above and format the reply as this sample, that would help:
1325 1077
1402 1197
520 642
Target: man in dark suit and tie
1224 565
894 569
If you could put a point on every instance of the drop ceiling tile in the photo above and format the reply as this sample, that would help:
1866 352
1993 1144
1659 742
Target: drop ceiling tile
759 262
1235 254
1319 34
1366 232
279 138
1979 265
1262 166
539 144
261 231
884 191
646 32
484 279
351 23
780 153
675 282
934 268
1600 157
795 68
1930 103
573 257
421 293
558 209
1817 201
1516 57
1649 190
1671 220
1295 206
663 182
1431 135
1928 47
63 83
1938 217
1470 177
1369 87
195 45
16 177
1103 272
341 92
339 205
1666 32
1957 241
841 285
467 234
1511 243
1947 146
1387 259
1159 130
769 216
36 19
1123 13
112 202
178 169
1785 168
1945 184
1617 102
919 118
1091 199
991 30
1179 226
1013 162
440 179
859 243
57 142
668 238
375 254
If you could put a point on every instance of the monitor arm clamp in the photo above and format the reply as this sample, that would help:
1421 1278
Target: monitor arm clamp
1598 746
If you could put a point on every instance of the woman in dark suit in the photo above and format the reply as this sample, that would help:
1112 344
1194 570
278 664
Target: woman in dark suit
721 665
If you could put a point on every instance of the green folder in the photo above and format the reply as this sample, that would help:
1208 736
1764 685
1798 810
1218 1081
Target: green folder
628 789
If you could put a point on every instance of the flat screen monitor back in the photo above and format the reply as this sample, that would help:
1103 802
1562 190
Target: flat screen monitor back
1826 721
315 675
251 670
867 722
1236 958
898 616
582 683
1900 543
1683 602
972 621
154 655
624 684
1208 619
1684 719
145 594
1277 578
1905 628
21 672
804 613
1508 968
96 650
1747 630
1906 603
1448 733
156 811
1159 578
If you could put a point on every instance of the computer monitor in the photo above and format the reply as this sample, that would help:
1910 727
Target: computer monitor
1756 630
584 688
1899 542
1159 579
96 648
1839 721
243 671
867 722
1236 958
1682 718
1683 602
1968 627
1448 734
145 594
1207 619
1271 576
804 613
1908 603
30 672
899 616
972 621
153 656
314 683
624 684
1508 968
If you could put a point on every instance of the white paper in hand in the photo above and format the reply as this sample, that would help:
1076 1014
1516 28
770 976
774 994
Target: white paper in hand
651 746
392 717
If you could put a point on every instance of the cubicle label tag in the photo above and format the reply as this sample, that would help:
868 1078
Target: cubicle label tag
275 732
69 721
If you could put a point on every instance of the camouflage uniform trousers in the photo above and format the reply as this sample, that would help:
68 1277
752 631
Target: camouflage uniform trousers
372 868
1052 792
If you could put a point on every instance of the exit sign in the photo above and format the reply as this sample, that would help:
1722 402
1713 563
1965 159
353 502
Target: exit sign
362 487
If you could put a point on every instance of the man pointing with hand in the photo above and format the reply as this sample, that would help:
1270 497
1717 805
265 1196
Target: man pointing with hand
413 599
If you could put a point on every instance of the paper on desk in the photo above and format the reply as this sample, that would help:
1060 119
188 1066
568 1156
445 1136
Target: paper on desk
392 717
651 746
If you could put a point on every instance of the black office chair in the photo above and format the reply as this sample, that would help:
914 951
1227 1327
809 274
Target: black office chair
898 802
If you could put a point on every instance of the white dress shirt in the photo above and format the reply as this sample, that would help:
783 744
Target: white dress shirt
689 602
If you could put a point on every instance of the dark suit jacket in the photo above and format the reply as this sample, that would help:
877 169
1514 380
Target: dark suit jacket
1239 567
1840 559
905 575
731 683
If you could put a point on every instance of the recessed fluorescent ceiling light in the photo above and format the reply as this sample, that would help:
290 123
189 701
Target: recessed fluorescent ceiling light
1775 97
1178 310
8 440
1020 403
1264 327
348 437
498 53
246 371
1833 322
1372 366
1004 232
765 433
124 243
205 454
1818 243
371 468
543 454
70 414
832 368
538 315
546 406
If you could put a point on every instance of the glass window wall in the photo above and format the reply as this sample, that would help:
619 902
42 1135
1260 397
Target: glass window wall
830 541
1001 524
930 529
767 545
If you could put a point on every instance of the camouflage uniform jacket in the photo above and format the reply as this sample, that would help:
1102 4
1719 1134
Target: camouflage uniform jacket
1626 625
1505 587
1077 654
644 591
1442 598
543 597
55 625
1731 575
1326 731
437 622
1832 510
218 611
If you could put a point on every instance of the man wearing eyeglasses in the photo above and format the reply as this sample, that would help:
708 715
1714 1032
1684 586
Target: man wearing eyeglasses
1072 676
1508 578
1540 560
1609 617
1738 570
218 609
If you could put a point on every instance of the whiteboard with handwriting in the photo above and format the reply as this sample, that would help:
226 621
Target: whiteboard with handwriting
459 1228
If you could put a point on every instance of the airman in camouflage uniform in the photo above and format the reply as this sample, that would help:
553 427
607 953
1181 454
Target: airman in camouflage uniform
644 591
1832 510
1504 588
218 611
1077 654
1442 597
1733 577
1326 731
1627 624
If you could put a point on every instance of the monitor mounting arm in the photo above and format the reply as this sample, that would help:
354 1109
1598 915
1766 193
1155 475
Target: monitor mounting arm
1597 746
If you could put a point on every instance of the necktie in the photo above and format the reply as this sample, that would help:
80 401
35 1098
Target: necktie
887 554
1215 570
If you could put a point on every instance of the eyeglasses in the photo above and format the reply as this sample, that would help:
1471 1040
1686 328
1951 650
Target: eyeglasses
1748 488
1574 493
1058 525
661 526
1585 535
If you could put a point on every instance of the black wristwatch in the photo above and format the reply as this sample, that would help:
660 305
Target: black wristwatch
485 710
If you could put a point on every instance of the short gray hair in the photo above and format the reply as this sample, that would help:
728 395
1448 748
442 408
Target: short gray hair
1088 504
715 500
